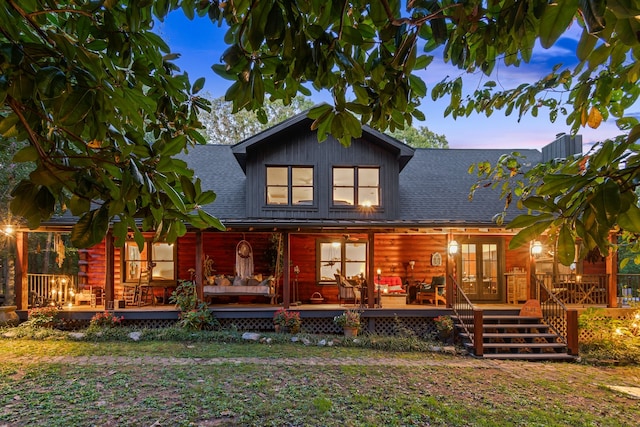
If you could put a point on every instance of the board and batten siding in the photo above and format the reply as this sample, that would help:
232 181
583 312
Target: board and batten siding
303 149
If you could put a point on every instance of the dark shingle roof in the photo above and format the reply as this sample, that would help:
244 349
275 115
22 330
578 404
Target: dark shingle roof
434 185
219 171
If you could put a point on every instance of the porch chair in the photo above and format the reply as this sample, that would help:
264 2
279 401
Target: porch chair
130 293
431 291
144 290
346 291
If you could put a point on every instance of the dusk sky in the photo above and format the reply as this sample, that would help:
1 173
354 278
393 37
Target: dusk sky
200 44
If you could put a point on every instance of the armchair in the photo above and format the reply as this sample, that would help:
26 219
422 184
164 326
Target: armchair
346 291
432 292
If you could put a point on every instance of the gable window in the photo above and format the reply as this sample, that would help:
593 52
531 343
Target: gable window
157 256
290 185
356 186
346 258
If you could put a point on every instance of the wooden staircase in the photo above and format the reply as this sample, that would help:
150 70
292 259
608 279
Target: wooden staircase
511 336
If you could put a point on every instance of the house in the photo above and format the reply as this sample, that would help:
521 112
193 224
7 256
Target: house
378 212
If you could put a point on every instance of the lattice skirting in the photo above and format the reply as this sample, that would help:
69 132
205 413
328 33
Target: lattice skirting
586 335
389 326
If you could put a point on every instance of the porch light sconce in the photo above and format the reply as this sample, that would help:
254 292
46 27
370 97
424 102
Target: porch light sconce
8 229
453 247
379 273
296 270
536 248
412 264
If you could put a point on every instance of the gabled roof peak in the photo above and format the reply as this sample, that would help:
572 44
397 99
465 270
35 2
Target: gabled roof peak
403 152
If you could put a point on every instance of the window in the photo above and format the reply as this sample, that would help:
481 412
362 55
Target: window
356 186
160 259
290 185
347 258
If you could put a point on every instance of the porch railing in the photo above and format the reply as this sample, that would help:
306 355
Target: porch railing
47 288
469 318
583 289
562 321
628 289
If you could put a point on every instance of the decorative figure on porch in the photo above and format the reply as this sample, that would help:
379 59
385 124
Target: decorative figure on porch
208 269
244 260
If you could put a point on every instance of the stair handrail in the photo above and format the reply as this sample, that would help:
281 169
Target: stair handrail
554 312
463 309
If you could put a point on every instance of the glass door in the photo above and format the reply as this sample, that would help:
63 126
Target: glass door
480 267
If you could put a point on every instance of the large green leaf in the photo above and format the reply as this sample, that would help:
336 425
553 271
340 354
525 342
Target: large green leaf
90 228
522 221
173 195
529 233
566 246
554 21
630 219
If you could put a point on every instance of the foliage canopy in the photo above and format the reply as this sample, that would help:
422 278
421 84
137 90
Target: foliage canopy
95 92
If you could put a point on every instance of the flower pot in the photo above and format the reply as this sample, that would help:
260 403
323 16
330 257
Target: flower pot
350 331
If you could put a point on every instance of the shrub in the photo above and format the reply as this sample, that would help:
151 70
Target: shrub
42 317
194 313
609 339
105 320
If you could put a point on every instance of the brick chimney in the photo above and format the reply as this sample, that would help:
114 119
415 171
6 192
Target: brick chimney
564 146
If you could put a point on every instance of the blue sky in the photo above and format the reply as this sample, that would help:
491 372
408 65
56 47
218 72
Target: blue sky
200 44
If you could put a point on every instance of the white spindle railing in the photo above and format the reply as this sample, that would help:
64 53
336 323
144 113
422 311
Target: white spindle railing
57 288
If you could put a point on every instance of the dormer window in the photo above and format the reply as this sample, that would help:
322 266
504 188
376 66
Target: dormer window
289 185
356 186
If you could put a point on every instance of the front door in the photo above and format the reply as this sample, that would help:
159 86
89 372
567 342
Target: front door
480 265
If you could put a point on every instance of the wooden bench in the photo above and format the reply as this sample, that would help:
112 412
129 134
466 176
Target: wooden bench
255 290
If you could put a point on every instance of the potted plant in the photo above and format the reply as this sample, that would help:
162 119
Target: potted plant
350 322
285 320
444 326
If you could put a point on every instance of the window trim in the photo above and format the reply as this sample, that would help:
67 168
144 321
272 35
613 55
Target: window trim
290 187
356 187
124 278
342 261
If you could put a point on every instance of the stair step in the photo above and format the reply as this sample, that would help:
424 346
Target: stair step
523 345
513 335
515 325
530 356
516 319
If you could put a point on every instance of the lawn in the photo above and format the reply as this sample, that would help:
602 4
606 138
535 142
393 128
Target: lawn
59 382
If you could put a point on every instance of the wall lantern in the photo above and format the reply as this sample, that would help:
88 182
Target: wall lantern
536 248
453 247
412 264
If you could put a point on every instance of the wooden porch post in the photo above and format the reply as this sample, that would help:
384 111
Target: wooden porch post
573 347
611 269
22 268
109 279
286 286
478 347
199 260
532 283
450 266
371 273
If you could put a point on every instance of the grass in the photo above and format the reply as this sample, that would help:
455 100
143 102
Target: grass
56 381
